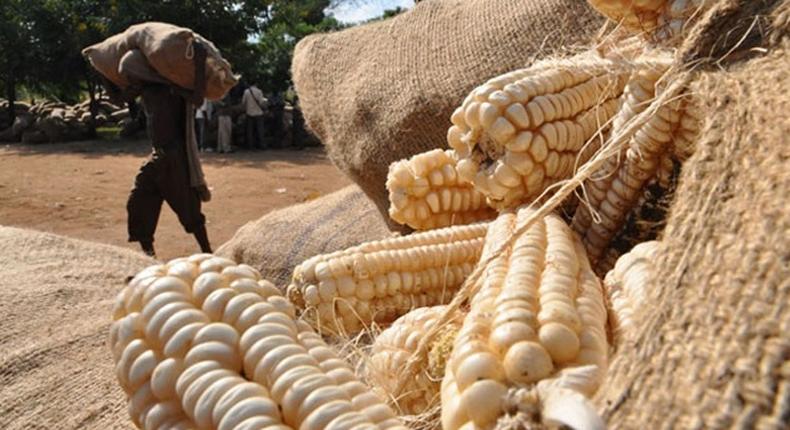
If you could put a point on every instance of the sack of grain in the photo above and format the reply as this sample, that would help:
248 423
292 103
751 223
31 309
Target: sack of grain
22 122
713 351
108 108
119 114
385 91
56 297
169 50
278 241
135 67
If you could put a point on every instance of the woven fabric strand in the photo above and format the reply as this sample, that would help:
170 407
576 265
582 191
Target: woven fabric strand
715 350
55 298
383 92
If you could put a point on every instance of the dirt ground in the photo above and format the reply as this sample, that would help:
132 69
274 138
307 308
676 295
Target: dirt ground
80 189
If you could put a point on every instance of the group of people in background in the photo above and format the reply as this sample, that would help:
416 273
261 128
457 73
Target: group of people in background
268 121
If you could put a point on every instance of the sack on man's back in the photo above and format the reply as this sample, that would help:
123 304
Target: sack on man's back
135 67
169 50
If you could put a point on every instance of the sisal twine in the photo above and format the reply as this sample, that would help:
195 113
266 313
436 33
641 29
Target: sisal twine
385 91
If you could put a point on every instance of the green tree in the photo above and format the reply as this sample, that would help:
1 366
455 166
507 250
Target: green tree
16 48
41 40
284 25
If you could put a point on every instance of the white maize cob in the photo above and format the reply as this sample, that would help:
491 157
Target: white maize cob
521 132
631 286
537 324
658 20
382 280
203 343
614 190
393 348
425 192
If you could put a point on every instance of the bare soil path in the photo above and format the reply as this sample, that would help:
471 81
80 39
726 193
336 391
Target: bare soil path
80 189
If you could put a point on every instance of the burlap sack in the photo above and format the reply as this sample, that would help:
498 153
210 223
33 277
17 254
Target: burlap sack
105 57
277 242
169 50
385 91
56 294
714 352
134 66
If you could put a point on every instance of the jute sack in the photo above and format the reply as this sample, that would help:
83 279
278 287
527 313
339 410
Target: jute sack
277 242
714 351
169 50
56 295
385 91
135 66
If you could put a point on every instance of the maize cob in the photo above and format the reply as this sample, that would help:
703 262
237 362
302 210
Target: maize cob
646 221
393 348
204 343
659 20
536 325
425 192
630 288
379 281
616 188
521 132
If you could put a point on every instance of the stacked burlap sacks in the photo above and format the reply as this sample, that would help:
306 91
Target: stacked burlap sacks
50 121
714 352
385 91
277 242
56 296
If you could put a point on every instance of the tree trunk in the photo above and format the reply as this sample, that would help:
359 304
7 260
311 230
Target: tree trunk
10 93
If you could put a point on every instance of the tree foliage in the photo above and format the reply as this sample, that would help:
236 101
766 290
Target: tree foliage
41 40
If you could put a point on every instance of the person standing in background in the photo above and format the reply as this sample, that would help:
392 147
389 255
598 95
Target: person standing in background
224 125
254 106
202 117
297 126
274 119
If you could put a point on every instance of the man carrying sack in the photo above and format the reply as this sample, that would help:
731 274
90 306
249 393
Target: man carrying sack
173 173
172 68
